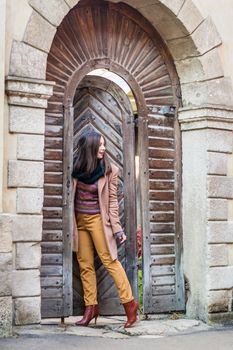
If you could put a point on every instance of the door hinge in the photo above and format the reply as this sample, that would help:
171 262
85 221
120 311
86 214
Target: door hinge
167 111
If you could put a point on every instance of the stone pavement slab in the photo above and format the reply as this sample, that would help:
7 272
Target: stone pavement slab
206 340
113 327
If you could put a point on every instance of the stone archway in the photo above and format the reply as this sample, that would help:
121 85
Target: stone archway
205 116
192 40
121 40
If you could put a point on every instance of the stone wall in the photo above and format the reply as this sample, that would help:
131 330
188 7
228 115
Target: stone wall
27 100
207 211
2 89
5 220
6 267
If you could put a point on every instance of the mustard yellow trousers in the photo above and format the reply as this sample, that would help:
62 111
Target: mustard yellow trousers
90 235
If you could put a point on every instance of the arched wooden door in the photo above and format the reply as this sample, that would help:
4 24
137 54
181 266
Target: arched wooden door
100 34
101 105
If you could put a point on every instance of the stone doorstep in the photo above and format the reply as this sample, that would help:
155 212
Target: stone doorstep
112 327
69 321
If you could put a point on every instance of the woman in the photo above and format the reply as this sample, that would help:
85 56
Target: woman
97 224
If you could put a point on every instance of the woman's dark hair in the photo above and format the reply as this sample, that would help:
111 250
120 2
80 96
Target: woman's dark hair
85 159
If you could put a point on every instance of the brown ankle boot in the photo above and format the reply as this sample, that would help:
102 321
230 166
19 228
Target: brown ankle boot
91 311
131 309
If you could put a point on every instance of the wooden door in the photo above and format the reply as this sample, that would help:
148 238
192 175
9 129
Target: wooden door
101 105
163 287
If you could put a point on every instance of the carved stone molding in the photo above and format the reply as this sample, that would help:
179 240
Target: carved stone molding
211 117
28 92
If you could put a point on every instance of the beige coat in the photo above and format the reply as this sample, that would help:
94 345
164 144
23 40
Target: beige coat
109 208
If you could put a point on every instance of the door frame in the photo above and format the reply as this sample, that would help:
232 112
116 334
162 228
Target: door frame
74 81
131 250
128 147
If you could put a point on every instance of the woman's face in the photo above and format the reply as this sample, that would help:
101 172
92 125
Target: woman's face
101 149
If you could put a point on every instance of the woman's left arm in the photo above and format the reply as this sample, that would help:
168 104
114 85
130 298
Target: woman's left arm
113 203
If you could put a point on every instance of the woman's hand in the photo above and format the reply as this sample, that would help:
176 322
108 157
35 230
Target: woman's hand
122 239
120 236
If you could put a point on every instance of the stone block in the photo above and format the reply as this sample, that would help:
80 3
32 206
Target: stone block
27 61
212 64
27 310
182 48
218 300
230 165
29 200
25 173
30 147
26 120
173 5
221 317
217 255
6 233
28 101
71 3
216 92
220 186
27 228
217 163
220 232
220 141
25 283
158 16
206 36
28 92
230 209
6 316
220 277
220 92
217 209
190 16
200 68
28 255
216 121
39 33
230 254
194 94
5 273
54 10
190 70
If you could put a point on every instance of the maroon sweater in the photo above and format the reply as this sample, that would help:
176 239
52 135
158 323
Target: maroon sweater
86 198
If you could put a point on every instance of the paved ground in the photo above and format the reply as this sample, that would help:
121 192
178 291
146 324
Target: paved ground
157 332
206 340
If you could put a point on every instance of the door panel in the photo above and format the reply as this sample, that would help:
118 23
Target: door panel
97 106
164 285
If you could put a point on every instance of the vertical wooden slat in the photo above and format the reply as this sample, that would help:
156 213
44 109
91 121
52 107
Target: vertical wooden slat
145 218
130 200
67 209
180 286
